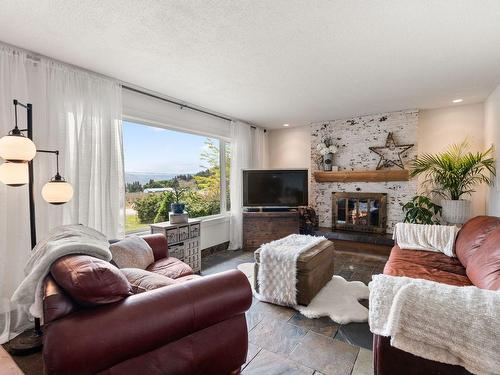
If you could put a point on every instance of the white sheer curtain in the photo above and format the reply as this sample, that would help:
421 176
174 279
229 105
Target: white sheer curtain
79 114
259 148
248 151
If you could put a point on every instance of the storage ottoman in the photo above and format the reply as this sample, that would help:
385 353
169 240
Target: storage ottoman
314 270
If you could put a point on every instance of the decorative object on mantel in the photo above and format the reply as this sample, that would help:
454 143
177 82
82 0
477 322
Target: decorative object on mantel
363 176
17 170
453 174
390 154
326 150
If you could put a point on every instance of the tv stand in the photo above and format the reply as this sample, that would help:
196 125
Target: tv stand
269 209
266 226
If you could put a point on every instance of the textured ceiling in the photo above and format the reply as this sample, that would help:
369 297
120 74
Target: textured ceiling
279 61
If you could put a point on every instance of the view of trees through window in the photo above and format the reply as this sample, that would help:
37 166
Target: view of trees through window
160 162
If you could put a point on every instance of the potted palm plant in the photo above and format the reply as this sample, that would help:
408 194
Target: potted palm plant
452 175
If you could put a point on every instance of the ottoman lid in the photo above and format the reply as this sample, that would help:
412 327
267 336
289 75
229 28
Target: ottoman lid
312 258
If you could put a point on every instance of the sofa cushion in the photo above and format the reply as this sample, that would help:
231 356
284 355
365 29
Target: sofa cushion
90 281
171 267
472 236
483 269
142 280
426 265
132 252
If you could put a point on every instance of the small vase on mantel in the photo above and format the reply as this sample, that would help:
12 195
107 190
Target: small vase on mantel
328 162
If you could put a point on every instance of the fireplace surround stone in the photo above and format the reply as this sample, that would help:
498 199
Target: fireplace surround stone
354 136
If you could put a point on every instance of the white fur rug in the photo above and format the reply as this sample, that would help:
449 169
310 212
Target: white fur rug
338 299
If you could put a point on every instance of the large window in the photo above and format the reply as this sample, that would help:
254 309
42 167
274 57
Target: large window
163 165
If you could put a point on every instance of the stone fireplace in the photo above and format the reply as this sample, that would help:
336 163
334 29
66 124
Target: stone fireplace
360 212
354 136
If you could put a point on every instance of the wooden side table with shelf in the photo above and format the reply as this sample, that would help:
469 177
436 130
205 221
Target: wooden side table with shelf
184 241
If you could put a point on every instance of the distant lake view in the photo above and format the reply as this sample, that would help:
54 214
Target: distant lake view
145 177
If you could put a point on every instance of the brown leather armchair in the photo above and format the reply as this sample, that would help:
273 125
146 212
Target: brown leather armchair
193 327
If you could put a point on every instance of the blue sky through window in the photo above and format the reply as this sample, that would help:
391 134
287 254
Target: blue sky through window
152 150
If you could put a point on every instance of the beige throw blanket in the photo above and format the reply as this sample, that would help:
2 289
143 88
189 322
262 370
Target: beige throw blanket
278 268
440 322
61 241
439 238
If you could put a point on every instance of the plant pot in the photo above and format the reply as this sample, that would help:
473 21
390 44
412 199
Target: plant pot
455 211
327 162
177 208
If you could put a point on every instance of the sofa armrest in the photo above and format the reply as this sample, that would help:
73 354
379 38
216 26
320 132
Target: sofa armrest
159 245
89 341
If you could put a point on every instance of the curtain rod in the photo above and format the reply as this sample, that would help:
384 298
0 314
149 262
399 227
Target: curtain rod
178 103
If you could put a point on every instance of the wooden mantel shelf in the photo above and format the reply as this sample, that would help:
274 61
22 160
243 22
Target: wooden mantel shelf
383 175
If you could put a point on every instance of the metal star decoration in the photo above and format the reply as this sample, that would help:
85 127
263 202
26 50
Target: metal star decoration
390 154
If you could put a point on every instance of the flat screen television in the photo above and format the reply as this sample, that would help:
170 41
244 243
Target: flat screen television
275 188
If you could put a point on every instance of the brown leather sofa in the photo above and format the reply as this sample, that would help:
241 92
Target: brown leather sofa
196 326
478 263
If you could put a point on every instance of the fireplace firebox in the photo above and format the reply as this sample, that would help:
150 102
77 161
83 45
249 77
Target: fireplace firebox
360 212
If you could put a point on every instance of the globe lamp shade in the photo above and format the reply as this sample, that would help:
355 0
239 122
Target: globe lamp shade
57 191
17 148
14 174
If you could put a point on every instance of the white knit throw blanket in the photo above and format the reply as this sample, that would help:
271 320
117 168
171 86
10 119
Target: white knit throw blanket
61 241
278 268
439 238
440 322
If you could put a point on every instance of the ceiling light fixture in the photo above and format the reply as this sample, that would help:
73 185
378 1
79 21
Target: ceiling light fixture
286 125
457 100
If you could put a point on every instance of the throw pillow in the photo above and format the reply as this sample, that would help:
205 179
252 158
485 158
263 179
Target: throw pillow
142 280
90 281
132 252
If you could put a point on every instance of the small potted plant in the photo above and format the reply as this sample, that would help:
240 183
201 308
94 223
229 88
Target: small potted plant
178 192
421 210
453 174
326 149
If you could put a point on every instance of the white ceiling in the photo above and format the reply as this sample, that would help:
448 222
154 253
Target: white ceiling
279 61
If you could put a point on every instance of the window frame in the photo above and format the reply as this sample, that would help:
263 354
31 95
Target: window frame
223 141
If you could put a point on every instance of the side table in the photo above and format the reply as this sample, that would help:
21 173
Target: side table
184 241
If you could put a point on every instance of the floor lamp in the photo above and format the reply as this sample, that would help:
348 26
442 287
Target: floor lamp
18 152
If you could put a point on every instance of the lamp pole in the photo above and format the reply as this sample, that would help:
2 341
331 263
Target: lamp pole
29 123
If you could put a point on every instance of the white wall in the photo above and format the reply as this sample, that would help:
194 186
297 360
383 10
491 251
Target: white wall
290 148
214 231
440 128
492 136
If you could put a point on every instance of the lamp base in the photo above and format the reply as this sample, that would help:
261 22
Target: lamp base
26 343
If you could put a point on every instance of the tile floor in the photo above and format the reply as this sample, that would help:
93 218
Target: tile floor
282 341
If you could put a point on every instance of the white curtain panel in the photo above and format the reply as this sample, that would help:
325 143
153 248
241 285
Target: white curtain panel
14 211
79 114
259 148
241 158
248 151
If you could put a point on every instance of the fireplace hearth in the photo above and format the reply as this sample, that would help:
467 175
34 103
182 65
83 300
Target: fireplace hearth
359 212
